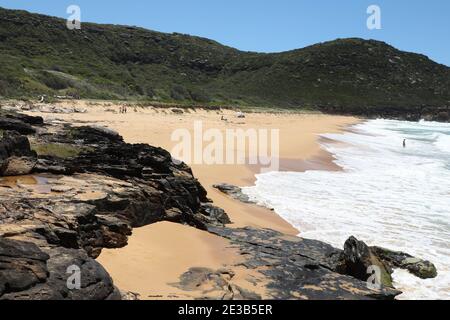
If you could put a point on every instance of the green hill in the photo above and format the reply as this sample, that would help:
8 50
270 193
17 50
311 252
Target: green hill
39 55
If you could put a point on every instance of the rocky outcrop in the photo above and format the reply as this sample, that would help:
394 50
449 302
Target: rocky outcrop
233 191
22 266
71 219
29 273
21 123
31 120
420 268
61 218
296 268
439 114
64 221
16 125
16 156
213 214
356 260
417 113
180 197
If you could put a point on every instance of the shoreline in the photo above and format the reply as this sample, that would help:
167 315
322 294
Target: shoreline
157 254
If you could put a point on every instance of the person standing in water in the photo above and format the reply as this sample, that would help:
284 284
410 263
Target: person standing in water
404 143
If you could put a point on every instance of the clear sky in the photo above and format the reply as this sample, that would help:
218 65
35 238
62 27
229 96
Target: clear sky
421 26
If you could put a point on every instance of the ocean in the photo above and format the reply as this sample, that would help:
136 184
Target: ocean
387 195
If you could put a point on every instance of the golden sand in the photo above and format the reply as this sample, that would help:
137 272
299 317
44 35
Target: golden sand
158 254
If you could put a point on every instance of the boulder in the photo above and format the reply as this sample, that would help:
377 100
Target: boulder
29 273
357 258
16 156
420 268
22 265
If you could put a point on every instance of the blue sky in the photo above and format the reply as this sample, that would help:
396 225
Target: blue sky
273 25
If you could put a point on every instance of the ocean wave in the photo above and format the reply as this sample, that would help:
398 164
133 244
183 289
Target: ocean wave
387 195
443 143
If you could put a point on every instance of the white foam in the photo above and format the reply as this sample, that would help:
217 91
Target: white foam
443 143
387 196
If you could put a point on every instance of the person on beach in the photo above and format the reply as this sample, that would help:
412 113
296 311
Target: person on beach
404 143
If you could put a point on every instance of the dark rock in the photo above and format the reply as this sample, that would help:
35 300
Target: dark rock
119 159
233 191
418 267
357 257
214 214
54 166
15 125
20 249
95 283
171 191
298 268
67 238
16 156
356 260
443 116
32 120
95 135
65 231
177 111
22 266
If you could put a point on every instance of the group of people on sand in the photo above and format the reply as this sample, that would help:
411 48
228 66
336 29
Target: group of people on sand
239 115
123 109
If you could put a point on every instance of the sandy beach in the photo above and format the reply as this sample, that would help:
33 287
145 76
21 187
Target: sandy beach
158 254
